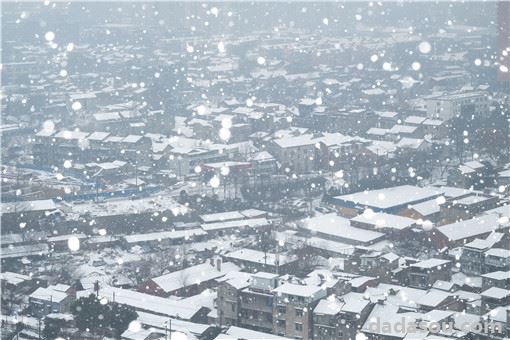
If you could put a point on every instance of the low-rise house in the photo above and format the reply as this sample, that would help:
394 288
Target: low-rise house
494 297
150 303
188 281
340 317
500 279
468 175
44 301
439 300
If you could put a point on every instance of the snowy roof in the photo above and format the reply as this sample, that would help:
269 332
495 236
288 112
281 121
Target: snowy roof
103 116
479 244
81 96
256 256
498 314
470 228
238 280
297 141
27 206
412 143
14 278
454 192
358 282
124 206
300 290
142 334
433 298
193 275
45 133
386 114
387 314
443 285
426 208
132 139
61 238
496 293
252 223
222 216
498 252
146 302
414 120
47 294
237 333
433 122
397 129
67 134
349 303
162 235
430 263
161 322
377 131
99 136
382 148
250 213
24 250
334 225
391 197
384 220
499 275
464 95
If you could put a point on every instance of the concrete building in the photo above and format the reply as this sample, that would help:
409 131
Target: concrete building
448 106
256 302
292 309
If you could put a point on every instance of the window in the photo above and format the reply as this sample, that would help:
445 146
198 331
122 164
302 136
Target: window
299 327
299 312
281 310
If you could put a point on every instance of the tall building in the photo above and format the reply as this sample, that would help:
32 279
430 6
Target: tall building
292 309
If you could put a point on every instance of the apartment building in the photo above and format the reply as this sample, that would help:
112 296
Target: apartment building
292 309
450 105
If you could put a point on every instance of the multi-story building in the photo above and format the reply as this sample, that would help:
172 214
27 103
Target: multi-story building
473 257
423 274
297 153
229 299
448 106
256 302
292 309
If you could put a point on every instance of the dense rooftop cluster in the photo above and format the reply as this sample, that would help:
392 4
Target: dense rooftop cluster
327 181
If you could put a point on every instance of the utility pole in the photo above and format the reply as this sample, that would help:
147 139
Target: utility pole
168 329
